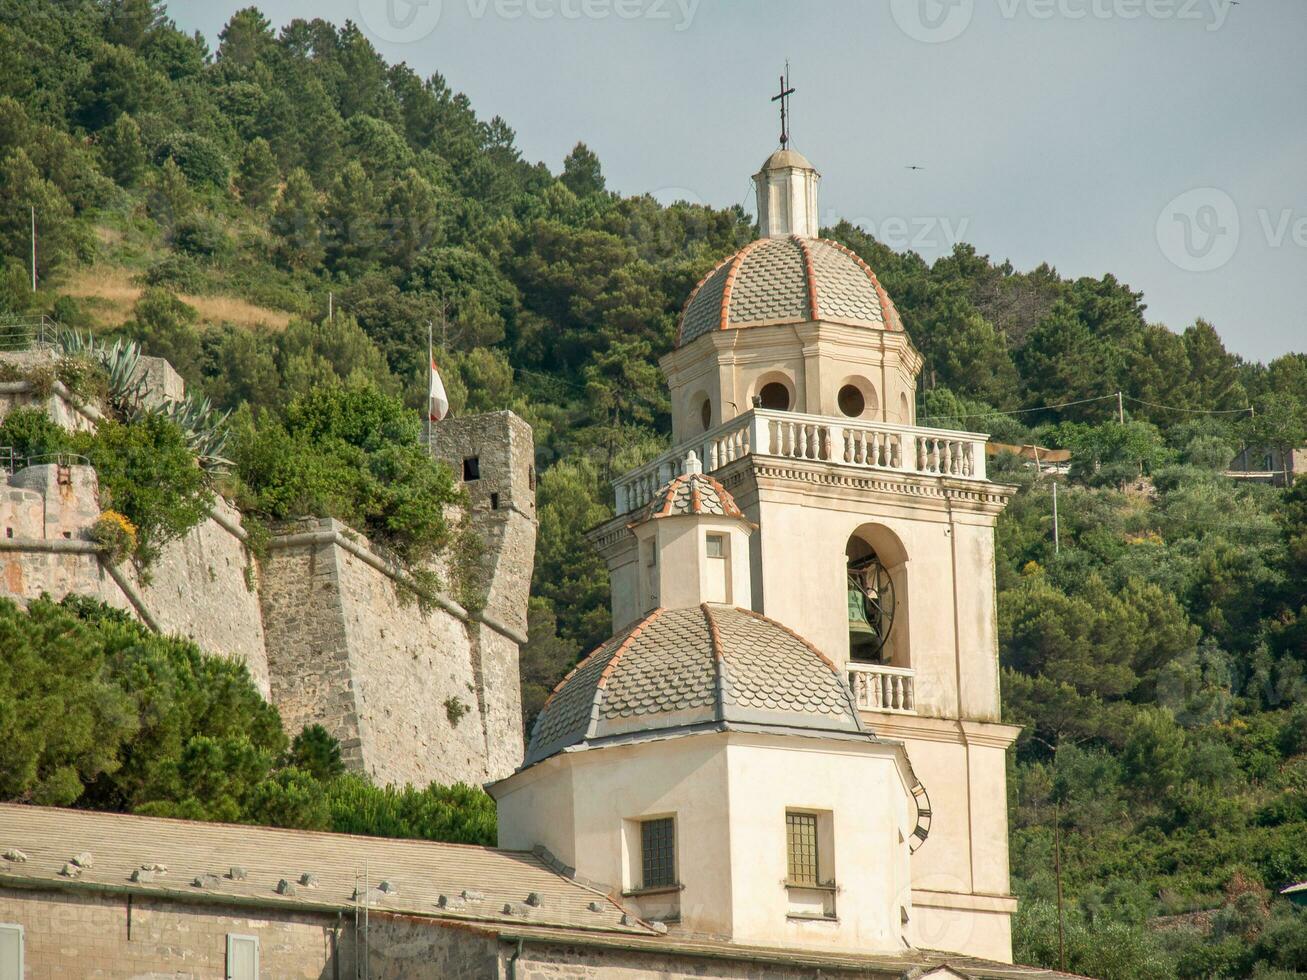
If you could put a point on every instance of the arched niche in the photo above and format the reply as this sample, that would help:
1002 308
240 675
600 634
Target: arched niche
877 587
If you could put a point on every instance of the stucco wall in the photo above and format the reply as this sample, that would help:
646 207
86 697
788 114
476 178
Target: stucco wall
729 794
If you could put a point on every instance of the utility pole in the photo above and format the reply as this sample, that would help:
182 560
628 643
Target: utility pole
1120 409
1057 545
331 306
33 248
1057 872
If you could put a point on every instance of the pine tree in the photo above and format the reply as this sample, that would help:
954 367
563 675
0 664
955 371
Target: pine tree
257 177
295 222
122 151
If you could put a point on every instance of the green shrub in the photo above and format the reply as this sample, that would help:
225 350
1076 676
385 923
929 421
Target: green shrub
459 814
147 472
202 236
198 157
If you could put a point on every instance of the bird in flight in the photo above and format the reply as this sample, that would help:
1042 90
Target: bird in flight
915 167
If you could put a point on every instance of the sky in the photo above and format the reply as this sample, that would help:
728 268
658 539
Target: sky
1164 141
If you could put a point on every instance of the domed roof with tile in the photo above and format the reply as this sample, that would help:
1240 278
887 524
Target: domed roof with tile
788 280
692 494
708 666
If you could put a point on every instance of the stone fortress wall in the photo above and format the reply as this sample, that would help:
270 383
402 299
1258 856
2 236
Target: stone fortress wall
324 623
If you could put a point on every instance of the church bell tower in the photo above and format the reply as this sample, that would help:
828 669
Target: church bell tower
793 385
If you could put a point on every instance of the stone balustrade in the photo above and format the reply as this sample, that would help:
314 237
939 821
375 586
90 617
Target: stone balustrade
789 435
877 687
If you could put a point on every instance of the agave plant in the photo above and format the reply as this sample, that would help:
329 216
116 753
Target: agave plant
204 427
122 363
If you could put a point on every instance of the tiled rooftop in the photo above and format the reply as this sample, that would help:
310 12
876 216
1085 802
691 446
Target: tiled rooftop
692 494
244 865
788 280
698 666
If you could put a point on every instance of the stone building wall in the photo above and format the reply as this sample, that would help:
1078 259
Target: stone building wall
84 934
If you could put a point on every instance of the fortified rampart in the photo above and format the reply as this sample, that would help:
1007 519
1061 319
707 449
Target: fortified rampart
329 629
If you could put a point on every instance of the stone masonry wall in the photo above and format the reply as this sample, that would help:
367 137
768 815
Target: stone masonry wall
402 689
413 696
80 934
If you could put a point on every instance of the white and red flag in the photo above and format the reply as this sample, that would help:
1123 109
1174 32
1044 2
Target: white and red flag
437 400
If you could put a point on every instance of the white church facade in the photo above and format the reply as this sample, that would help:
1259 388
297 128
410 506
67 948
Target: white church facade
794 736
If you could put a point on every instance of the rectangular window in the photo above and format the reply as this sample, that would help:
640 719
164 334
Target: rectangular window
658 853
11 951
471 469
242 957
801 849
716 546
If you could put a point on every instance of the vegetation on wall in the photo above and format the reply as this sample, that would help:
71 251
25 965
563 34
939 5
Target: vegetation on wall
237 195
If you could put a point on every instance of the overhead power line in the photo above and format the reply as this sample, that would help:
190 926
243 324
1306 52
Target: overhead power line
1086 401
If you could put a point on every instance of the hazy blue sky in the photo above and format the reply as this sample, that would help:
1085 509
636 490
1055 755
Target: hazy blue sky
1162 140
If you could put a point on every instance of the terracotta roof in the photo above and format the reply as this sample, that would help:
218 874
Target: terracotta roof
787 280
692 494
705 665
419 873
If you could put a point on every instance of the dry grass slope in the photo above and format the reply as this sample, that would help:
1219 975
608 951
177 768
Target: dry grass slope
110 294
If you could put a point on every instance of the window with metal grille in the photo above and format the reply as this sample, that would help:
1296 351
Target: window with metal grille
801 848
658 853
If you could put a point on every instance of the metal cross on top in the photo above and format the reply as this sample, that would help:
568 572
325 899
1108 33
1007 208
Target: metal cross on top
784 100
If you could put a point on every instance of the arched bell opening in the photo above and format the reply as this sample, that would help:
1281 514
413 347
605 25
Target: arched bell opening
877 597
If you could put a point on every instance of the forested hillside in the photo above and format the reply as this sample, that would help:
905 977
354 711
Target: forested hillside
215 205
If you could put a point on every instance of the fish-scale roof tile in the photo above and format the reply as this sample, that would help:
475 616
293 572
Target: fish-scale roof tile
707 664
787 280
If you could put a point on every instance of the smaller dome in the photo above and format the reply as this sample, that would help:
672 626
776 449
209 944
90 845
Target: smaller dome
705 667
693 494
787 158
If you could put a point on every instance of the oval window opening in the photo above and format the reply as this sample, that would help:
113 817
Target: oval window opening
705 414
851 401
775 396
